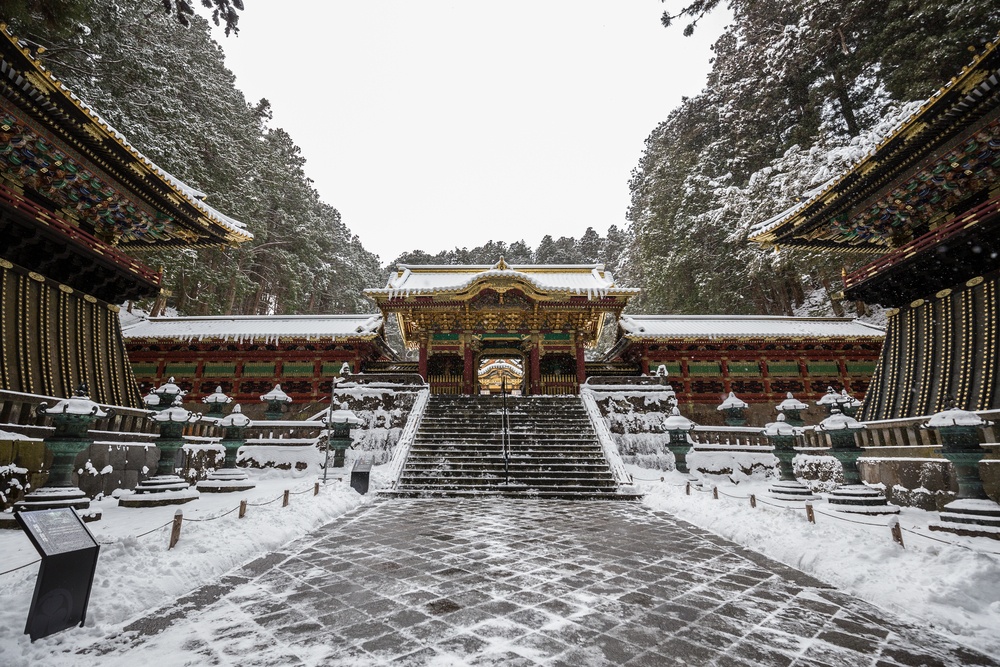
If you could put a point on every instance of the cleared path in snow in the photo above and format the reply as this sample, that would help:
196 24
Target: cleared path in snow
523 582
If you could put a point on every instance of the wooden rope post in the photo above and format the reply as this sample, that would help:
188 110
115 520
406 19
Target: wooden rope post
316 489
715 492
687 489
243 508
175 531
897 531
284 500
753 500
810 514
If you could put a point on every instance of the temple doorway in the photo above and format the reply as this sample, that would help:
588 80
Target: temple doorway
498 370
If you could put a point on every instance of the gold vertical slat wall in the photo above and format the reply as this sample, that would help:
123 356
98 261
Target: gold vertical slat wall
52 338
939 350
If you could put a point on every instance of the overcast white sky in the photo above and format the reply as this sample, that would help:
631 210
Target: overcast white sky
437 124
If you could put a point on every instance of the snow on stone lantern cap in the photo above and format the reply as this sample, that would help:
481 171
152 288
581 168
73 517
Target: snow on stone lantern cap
790 403
169 387
780 428
236 419
151 399
677 422
955 417
277 395
732 403
838 421
175 413
343 417
218 397
77 404
831 397
848 400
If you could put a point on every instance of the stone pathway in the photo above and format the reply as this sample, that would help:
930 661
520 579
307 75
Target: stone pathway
508 582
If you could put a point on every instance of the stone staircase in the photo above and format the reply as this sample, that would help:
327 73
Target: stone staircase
554 452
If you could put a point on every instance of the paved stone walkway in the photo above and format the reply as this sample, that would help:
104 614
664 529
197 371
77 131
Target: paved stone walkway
505 582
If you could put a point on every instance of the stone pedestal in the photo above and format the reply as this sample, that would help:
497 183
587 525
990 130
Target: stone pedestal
860 499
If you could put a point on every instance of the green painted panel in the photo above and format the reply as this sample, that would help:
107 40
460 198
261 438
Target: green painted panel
556 336
298 369
218 370
504 336
673 368
258 370
144 370
861 367
823 368
180 370
444 336
332 368
786 368
704 368
744 368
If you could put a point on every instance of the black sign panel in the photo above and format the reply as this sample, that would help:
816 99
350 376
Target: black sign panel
66 576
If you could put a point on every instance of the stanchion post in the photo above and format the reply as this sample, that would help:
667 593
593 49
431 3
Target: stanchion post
897 531
810 514
284 499
715 492
316 489
243 508
175 531
687 488
753 500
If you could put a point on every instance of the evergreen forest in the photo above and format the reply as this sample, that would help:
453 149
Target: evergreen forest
798 91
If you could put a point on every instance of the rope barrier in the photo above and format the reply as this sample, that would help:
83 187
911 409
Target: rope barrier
267 503
20 567
948 542
153 530
843 518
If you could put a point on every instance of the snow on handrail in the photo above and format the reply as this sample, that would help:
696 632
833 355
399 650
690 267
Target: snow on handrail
406 438
622 477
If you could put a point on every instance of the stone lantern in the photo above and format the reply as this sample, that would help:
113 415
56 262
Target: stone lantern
72 417
848 404
830 401
152 400
276 399
781 434
167 392
338 424
171 422
734 409
792 409
854 497
678 427
165 487
844 445
230 478
216 401
972 513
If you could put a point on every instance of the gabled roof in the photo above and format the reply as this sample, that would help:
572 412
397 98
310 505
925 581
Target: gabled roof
590 280
250 328
150 205
744 327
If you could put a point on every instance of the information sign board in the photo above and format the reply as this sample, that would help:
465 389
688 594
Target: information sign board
66 576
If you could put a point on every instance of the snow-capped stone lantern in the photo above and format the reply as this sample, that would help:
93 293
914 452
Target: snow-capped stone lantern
781 435
735 410
678 427
345 368
959 430
152 400
171 422
72 418
168 392
843 443
216 401
848 404
338 424
792 409
234 425
830 401
230 478
276 400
